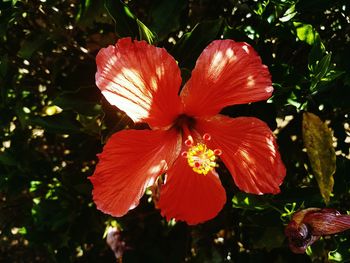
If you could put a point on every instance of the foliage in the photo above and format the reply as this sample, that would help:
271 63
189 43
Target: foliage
54 122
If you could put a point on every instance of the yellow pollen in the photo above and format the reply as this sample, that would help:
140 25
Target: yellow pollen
201 158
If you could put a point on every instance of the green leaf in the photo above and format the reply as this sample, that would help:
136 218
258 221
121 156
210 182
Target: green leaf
165 24
78 101
31 44
319 145
306 33
145 32
261 7
320 70
322 67
316 54
90 12
90 124
64 122
332 75
248 201
289 14
126 23
188 48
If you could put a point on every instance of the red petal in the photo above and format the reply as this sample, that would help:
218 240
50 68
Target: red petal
141 80
249 151
130 161
191 197
226 73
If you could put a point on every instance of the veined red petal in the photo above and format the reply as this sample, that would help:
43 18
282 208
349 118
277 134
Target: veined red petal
131 160
189 196
141 80
226 73
249 151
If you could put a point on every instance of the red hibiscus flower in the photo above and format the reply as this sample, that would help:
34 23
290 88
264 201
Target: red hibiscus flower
187 133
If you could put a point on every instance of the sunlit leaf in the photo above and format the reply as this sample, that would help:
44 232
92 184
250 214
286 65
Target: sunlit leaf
306 32
261 7
289 14
248 201
319 145
145 32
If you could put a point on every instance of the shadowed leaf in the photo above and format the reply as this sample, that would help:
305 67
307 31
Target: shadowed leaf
192 43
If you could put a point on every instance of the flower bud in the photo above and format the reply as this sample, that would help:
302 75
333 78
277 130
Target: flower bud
308 225
115 242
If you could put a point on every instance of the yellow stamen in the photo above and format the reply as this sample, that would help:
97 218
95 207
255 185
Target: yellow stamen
201 158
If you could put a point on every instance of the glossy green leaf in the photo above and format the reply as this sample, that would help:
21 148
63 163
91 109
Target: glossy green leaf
289 14
318 141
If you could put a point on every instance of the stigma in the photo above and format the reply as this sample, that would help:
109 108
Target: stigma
199 156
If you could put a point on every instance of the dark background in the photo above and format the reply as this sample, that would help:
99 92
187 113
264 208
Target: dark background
53 122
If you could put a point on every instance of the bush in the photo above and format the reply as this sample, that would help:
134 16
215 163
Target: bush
54 121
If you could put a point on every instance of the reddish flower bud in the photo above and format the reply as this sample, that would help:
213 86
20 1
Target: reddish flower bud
115 242
308 225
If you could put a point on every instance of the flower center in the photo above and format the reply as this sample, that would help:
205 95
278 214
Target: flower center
200 158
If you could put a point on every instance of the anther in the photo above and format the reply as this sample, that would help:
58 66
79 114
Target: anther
217 152
189 141
201 158
206 137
